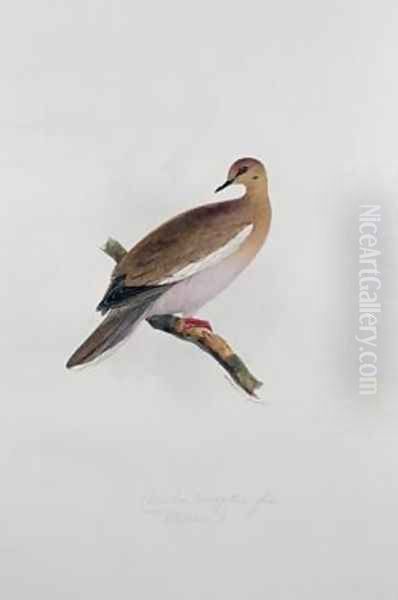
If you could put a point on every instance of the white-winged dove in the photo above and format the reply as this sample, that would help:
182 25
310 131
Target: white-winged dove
184 263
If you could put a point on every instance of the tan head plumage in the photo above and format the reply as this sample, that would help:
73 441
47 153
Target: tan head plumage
247 171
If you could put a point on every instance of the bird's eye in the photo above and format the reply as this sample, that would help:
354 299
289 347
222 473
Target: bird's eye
255 177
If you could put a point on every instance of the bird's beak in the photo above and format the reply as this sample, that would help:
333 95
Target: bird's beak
224 185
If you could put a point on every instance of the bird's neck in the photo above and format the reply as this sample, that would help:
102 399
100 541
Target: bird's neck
257 198
257 194
257 188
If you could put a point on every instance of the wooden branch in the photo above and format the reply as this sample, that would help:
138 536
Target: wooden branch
206 340
114 249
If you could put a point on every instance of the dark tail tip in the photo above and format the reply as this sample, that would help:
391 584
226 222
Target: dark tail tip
85 352
71 363
81 355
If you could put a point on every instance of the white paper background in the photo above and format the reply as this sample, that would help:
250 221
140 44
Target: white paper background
149 476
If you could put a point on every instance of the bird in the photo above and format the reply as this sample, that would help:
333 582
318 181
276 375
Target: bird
185 262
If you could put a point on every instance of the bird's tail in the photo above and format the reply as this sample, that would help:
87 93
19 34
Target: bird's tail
116 326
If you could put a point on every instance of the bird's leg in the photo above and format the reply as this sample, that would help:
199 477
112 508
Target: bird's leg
190 322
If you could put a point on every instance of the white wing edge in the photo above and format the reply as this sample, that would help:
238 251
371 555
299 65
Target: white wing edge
211 259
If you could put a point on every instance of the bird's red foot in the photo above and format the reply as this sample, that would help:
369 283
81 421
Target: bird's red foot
191 322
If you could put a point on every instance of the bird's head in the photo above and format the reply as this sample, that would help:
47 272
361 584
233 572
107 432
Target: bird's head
247 171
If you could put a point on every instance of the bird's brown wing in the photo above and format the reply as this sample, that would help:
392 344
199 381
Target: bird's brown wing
185 239
148 269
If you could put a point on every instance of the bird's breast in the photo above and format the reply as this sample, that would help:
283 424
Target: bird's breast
192 293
